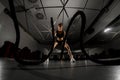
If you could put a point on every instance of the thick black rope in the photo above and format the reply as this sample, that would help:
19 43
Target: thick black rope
21 61
83 17
16 55
36 62
14 18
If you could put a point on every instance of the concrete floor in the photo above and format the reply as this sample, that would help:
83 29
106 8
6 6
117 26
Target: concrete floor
81 70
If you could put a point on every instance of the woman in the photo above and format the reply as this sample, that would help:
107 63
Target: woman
59 36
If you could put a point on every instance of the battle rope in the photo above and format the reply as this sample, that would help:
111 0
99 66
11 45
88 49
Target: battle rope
16 55
17 58
83 17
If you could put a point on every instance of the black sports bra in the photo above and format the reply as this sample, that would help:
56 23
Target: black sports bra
60 34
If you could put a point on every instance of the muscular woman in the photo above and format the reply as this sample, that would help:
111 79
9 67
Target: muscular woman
59 36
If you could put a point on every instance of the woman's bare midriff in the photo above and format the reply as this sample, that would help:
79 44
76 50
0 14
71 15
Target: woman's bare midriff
60 39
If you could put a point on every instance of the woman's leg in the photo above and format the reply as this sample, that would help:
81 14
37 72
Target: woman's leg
55 44
69 52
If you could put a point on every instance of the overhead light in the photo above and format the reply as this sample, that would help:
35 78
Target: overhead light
40 16
107 30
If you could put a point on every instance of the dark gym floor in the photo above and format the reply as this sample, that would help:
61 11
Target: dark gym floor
56 70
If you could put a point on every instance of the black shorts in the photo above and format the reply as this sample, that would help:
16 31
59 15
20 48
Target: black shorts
60 42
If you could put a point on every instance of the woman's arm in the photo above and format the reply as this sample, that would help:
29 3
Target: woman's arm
55 33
